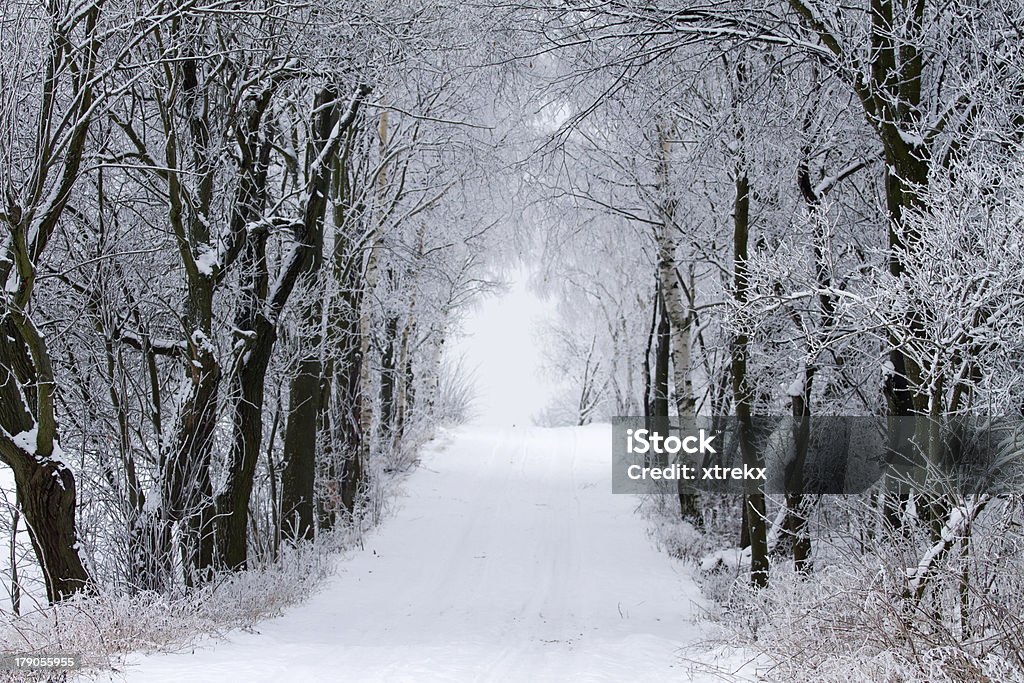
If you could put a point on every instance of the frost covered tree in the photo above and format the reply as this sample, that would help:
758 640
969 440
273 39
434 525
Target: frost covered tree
235 240
54 86
826 164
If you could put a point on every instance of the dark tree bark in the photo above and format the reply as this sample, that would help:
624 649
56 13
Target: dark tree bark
340 395
187 491
388 377
246 396
298 476
29 439
259 312
754 498
347 397
795 527
311 403
340 401
662 349
28 445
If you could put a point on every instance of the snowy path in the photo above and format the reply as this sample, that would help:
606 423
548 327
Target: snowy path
508 560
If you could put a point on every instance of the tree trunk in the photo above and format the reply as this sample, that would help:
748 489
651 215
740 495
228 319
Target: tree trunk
371 273
648 349
300 444
660 398
45 486
247 438
754 498
187 491
403 390
348 399
342 471
186 488
260 309
890 92
29 441
257 335
676 307
365 397
46 496
388 379
309 404
794 527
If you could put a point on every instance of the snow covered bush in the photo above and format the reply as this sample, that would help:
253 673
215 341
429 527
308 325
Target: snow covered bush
852 618
107 627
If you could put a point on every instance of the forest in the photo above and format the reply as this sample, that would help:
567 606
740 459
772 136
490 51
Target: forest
238 238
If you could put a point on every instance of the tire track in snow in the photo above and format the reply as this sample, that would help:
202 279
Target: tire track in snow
508 559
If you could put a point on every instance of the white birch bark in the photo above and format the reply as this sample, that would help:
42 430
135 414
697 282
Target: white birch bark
371 274
677 306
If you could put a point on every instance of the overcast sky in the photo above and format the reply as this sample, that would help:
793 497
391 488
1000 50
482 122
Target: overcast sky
501 350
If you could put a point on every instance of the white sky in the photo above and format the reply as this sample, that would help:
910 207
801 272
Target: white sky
501 351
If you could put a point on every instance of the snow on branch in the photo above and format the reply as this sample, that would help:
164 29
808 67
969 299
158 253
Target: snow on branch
954 528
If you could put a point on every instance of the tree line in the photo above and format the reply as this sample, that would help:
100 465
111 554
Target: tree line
235 239
816 206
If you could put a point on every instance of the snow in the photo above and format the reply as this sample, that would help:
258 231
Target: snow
202 342
727 559
152 500
959 517
27 440
208 260
500 347
508 559
912 139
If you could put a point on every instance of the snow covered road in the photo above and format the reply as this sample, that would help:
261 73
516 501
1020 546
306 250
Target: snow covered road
509 559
